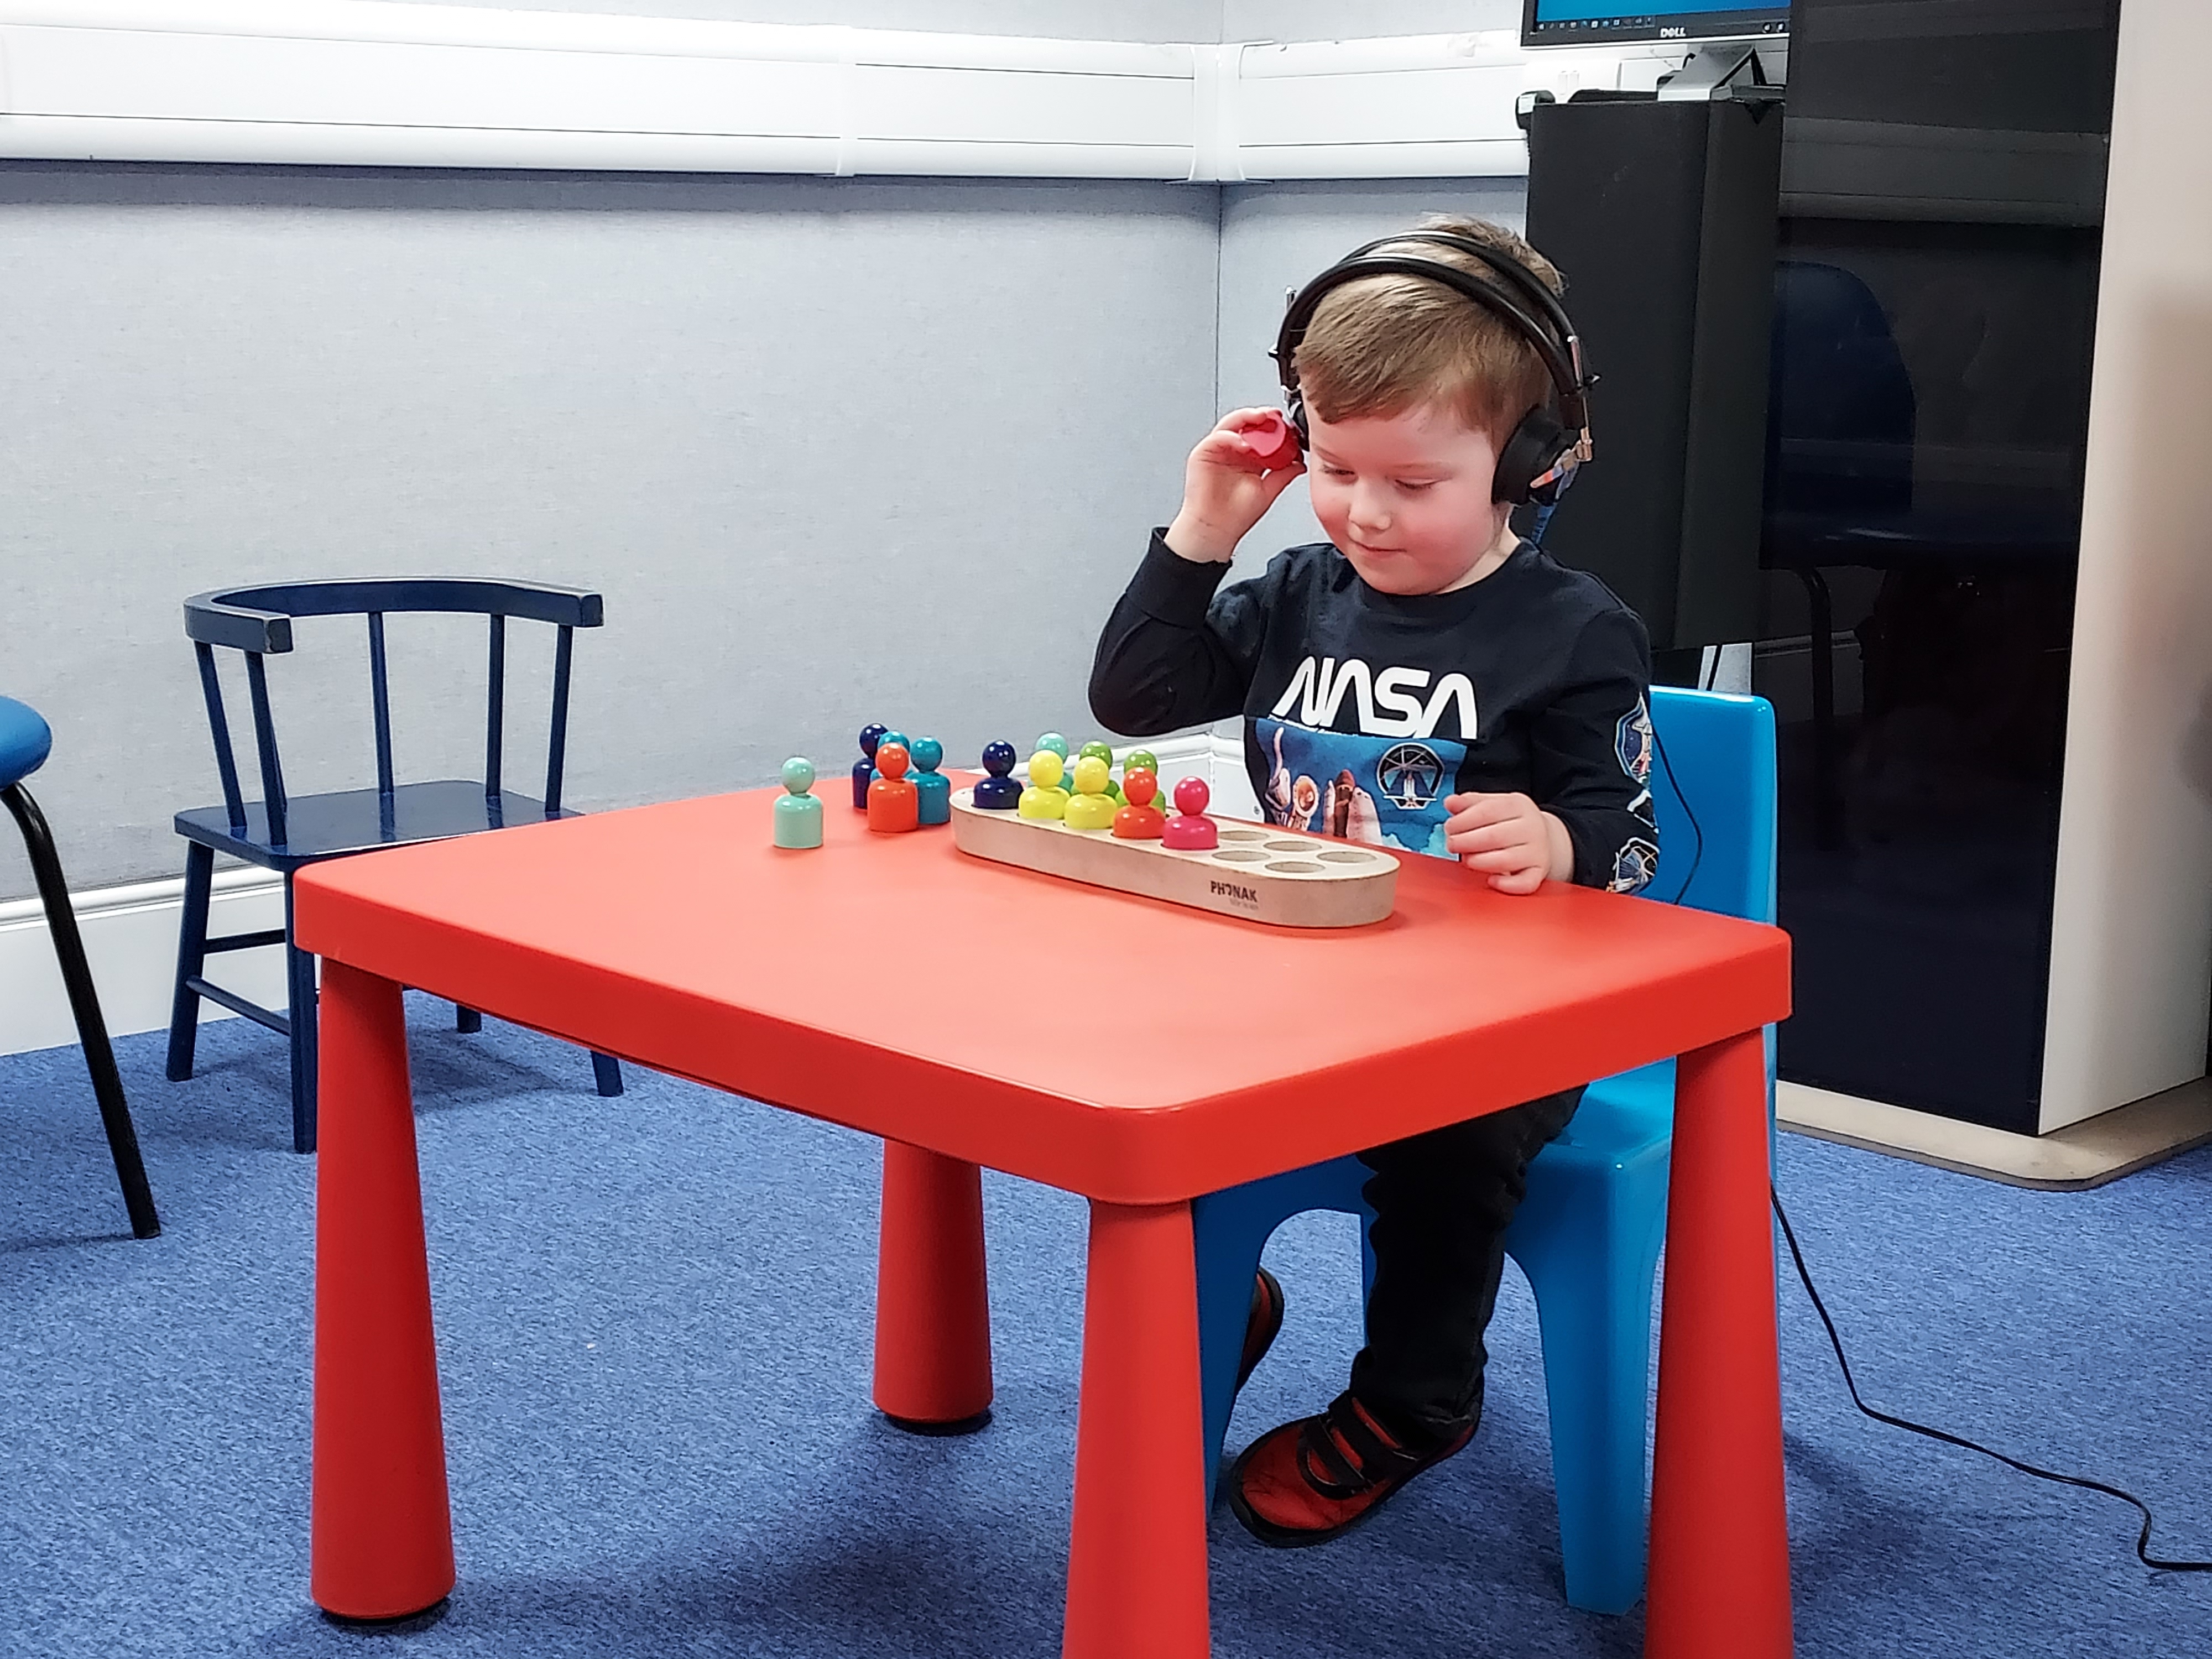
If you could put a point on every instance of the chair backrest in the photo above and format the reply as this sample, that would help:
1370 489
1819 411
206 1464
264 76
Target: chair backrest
1712 783
257 621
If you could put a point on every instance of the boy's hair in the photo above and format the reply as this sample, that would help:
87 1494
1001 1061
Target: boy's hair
1384 345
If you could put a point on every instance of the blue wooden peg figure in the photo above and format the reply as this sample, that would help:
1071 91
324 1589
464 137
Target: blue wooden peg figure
999 792
864 770
935 805
797 814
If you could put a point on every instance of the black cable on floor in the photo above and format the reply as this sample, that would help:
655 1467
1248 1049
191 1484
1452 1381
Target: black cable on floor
2143 1541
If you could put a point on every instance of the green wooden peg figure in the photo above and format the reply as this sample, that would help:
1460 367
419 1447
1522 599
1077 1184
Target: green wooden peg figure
797 814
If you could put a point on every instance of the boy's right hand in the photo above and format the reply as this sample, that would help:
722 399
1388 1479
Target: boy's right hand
1224 493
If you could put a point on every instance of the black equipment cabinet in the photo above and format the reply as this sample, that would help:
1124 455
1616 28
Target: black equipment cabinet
1844 347
1662 216
1936 299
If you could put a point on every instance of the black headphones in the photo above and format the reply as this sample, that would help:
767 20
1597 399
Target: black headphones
1538 461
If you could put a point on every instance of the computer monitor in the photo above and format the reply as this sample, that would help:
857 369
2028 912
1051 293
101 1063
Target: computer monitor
1613 22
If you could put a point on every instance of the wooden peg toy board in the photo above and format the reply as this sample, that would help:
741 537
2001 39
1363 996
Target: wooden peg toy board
1283 877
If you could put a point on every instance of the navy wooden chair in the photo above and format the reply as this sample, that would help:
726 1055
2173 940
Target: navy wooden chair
284 833
25 742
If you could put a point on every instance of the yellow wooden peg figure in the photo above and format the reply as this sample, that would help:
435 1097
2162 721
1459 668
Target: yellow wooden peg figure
1090 807
1044 797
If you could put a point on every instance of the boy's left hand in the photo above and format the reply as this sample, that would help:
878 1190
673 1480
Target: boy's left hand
1511 839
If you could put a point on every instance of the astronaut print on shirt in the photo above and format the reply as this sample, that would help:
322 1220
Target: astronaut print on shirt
1385 791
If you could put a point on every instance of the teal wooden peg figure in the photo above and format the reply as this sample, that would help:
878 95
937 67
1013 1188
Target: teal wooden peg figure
935 805
797 814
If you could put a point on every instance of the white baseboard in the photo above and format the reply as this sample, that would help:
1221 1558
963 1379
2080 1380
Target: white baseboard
2081 1155
131 938
130 932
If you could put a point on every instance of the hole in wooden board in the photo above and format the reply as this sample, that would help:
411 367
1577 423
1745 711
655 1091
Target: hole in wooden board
1238 855
1345 855
1291 847
1294 867
1243 835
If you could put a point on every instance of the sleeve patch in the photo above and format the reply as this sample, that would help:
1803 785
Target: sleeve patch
1633 866
1632 745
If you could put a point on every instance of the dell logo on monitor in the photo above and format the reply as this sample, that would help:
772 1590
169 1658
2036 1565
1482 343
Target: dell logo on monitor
1673 32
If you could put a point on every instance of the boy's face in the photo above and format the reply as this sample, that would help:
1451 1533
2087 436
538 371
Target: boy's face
1406 497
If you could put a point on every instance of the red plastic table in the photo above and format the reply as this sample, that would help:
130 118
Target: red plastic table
892 985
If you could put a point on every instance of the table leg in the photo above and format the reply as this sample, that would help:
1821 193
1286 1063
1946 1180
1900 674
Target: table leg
1136 1569
381 1536
932 1304
1720 1545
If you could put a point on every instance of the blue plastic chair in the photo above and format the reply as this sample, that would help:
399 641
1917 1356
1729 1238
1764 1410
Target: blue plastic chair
1588 1234
285 832
25 742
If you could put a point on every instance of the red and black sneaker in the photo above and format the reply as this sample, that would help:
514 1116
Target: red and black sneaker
1261 1329
1307 1481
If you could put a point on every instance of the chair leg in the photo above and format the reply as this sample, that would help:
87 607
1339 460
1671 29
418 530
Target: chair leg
84 1004
1592 1270
1228 1235
1229 1231
607 1069
300 984
192 960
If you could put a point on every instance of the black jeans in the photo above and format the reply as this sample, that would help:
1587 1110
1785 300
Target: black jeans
1443 1201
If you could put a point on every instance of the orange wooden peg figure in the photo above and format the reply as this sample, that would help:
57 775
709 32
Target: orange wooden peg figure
894 803
1139 820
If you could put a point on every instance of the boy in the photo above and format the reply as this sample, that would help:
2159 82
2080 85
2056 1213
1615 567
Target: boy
1424 680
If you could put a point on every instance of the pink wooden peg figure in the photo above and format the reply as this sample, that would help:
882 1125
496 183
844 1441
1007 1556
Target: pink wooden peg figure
1190 830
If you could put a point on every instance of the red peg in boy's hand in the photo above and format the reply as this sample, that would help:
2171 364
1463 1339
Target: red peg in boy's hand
1273 442
1226 485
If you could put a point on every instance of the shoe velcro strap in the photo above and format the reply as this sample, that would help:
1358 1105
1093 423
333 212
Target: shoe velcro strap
1379 1459
1322 1466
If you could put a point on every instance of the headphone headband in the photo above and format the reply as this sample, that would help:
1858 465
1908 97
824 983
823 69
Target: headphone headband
1520 300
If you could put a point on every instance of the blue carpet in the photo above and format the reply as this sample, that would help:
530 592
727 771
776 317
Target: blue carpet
654 1318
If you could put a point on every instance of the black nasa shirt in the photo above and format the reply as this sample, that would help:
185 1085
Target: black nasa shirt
1363 710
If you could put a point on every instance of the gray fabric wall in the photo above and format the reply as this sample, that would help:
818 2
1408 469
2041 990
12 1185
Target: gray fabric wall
833 451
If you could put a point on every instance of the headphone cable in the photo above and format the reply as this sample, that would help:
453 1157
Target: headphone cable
2142 1539
1682 799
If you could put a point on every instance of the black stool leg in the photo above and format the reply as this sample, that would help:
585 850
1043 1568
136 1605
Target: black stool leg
466 1019
192 960
84 1003
606 1072
299 983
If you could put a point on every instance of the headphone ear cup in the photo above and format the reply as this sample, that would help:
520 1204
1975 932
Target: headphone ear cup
1296 414
1529 466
